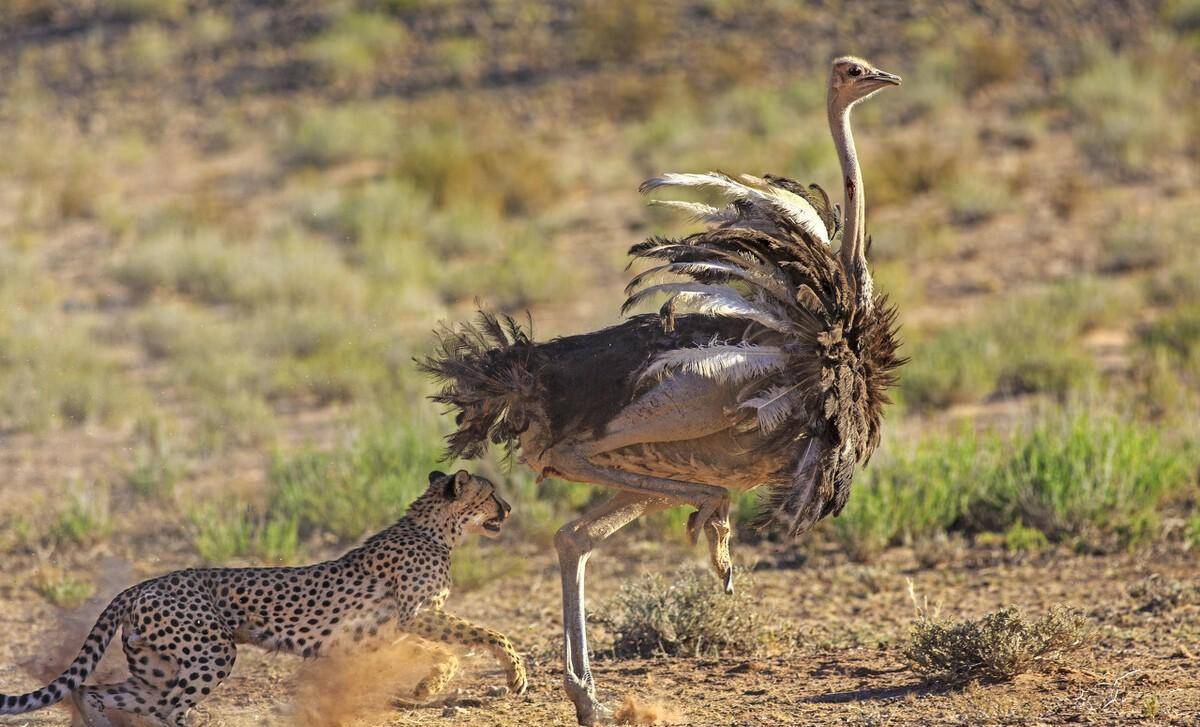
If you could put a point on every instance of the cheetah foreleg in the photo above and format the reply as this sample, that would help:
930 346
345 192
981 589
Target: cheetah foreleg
442 627
444 668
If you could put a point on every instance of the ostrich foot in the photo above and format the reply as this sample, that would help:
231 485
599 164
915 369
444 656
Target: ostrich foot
588 709
716 530
706 510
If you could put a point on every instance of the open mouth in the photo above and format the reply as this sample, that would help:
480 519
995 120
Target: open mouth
493 525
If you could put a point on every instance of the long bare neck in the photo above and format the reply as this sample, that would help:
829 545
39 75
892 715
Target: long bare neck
854 255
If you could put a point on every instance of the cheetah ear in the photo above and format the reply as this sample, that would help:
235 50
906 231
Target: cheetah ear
454 485
436 475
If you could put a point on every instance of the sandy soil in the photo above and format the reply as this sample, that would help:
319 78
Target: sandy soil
846 668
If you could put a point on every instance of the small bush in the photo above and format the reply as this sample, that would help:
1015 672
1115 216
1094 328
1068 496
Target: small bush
220 533
1192 532
60 588
150 51
1176 332
1010 350
1134 243
996 647
322 136
357 490
621 30
690 616
52 376
84 519
1020 538
1127 117
356 45
286 270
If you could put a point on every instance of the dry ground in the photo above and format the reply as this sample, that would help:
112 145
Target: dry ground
846 668
205 130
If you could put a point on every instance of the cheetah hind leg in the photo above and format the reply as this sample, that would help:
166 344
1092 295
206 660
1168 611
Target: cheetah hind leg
98 707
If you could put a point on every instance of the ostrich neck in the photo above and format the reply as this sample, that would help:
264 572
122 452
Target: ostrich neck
854 212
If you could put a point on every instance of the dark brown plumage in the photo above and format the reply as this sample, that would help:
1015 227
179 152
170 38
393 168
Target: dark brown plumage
817 411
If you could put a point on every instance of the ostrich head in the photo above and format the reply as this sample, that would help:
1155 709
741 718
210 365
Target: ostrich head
853 79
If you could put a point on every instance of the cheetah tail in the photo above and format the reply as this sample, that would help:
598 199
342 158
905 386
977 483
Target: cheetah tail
75 674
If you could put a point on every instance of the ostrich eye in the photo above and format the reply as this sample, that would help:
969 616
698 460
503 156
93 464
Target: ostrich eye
855 71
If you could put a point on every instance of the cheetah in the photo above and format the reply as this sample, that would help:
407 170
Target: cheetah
180 631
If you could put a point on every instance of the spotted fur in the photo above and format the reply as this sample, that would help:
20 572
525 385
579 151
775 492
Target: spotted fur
180 631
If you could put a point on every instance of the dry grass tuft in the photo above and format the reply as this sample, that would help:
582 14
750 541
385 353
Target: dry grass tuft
996 647
636 711
690 616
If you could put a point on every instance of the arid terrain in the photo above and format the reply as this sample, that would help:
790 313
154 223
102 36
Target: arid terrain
227 228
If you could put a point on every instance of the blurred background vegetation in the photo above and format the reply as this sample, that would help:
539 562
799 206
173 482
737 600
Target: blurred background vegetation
227 227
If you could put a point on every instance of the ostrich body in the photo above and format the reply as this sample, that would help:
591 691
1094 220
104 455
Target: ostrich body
767 366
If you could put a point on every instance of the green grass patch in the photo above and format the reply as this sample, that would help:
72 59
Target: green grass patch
61 588
355 45
1127 112
320 136
1027 346
83 519
53 374
911 496
474 564
1091 477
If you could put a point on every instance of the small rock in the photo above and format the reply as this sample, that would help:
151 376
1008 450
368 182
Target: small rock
497 691
449 711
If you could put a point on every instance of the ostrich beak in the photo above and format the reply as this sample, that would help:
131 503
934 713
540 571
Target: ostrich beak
885 78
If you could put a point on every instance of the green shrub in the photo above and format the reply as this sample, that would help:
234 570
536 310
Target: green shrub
84 518
1020 538
60 588
221 533
1127 116
52 375
996 647
321 136
1009 350
1192 532
621 30
1176 332
356 45
288 269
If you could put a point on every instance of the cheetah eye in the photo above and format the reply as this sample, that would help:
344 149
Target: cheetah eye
855 71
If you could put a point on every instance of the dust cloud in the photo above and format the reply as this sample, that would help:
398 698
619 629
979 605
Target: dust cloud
357 688
637 711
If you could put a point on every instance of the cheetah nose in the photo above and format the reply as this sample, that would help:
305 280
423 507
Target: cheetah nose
505 508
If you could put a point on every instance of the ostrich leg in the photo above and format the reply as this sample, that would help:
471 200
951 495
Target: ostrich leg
574 542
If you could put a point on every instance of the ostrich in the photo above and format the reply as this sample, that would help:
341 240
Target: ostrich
767 365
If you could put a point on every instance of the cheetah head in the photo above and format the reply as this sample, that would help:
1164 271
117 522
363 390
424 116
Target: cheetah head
472 500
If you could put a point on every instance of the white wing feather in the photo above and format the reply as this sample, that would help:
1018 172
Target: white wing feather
724 363
793 205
